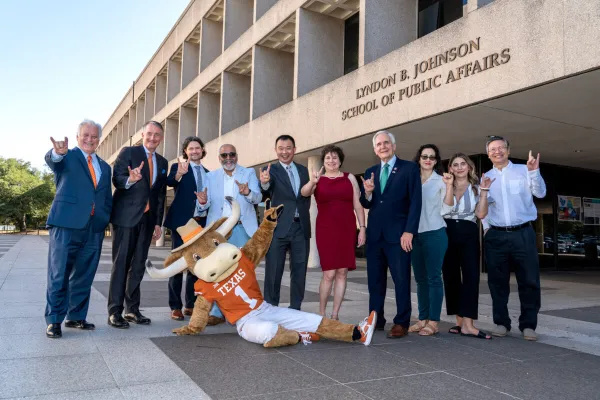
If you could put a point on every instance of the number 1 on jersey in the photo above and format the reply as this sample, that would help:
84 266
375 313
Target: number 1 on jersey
240 293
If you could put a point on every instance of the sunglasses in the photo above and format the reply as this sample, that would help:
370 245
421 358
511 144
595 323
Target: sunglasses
231 154
425 157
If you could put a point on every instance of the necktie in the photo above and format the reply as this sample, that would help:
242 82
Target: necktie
151 168
198 170
384 176
293 182
93 174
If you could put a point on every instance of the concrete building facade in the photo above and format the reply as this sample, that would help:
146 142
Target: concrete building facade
449 72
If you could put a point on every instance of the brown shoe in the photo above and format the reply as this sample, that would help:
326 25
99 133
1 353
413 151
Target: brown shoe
397 331
212 320
188 311
177 315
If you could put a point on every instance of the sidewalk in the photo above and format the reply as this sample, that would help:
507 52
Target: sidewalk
148 362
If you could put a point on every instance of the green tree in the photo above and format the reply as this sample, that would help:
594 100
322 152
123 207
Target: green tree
26 194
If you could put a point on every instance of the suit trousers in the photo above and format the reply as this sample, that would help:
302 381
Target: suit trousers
380 255
298 246
176 281
517 248
129 254
461 269
73 258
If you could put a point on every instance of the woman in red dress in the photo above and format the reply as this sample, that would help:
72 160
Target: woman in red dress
337 196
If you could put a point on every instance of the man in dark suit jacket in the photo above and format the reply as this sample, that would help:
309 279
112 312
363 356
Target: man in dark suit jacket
186 178
78 217
392 194
139 177
281 182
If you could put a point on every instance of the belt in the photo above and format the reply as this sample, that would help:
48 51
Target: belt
239 223
511 228
296 219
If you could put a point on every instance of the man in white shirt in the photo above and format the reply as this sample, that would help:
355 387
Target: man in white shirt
237 182
510 238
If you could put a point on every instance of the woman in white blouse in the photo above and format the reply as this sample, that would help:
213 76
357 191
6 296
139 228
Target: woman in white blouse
469 202
430 243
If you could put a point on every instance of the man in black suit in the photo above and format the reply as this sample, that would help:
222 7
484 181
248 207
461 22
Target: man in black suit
186 178
139 177
281 182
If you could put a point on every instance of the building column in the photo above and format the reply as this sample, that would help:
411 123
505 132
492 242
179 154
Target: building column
314 163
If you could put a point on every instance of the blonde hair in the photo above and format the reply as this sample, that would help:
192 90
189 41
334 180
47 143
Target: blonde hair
472 176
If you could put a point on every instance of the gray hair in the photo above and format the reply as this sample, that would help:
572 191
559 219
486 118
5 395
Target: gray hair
90 123
155 123
491 139
384 132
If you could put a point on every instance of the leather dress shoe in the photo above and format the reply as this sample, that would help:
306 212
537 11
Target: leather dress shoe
397 331
176 315
53 331
188 311
137 318
81 324
117 321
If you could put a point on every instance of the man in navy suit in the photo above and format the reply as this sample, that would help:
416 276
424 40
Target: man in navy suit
186 177
140 180
392 194
78 217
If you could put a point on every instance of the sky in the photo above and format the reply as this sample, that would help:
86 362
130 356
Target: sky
64 61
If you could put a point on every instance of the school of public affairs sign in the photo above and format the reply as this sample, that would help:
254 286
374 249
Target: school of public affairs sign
413 84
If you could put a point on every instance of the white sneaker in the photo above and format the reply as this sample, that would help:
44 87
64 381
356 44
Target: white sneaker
500 331
529 334
367 327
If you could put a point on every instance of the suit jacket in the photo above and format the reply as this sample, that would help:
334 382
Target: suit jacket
398 209
280 192
216 197
129 204
184 203
76 195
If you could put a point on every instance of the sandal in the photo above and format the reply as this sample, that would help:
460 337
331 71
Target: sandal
480 335
455 330
418 326
428 331
334 317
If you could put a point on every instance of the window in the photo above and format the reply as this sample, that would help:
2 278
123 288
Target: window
351 44
433 14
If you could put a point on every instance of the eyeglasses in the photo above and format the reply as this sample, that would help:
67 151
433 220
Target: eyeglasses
231 154
424 157
497 149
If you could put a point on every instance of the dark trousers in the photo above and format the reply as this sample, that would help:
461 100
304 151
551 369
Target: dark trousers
176 281
461 269
380 255
73 257
298 247
517 248
129 254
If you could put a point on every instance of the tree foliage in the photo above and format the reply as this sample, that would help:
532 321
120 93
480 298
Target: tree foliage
26 194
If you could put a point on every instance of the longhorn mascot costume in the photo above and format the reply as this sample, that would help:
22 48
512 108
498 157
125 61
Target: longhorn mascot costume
226 274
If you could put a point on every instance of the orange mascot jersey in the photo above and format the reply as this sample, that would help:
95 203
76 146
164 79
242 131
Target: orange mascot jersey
236 295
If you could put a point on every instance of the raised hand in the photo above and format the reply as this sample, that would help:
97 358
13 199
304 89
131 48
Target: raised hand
317 175
369 184
60 147
135 174
182 167
448 179
486 182
265 174
533 163
243 187
202 196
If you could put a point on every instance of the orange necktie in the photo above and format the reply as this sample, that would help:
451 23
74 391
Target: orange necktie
151 167
93 174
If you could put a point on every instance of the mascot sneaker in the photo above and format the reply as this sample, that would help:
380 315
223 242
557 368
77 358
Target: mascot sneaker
308 337
367 327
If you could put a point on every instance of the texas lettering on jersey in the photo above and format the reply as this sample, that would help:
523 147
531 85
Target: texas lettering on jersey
236 295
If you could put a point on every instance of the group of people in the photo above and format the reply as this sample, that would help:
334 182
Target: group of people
417 215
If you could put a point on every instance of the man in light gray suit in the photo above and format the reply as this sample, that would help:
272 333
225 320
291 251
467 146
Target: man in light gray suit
235 181
281 182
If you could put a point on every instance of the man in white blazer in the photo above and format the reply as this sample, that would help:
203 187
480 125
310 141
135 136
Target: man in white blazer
238 182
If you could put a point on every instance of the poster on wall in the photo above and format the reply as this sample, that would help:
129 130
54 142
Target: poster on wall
591 211
569 208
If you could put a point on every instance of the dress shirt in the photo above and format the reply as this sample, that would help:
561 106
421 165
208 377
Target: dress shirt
229 189
154 169
433 206
464 209
58 158
511 196
391 163
197 212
